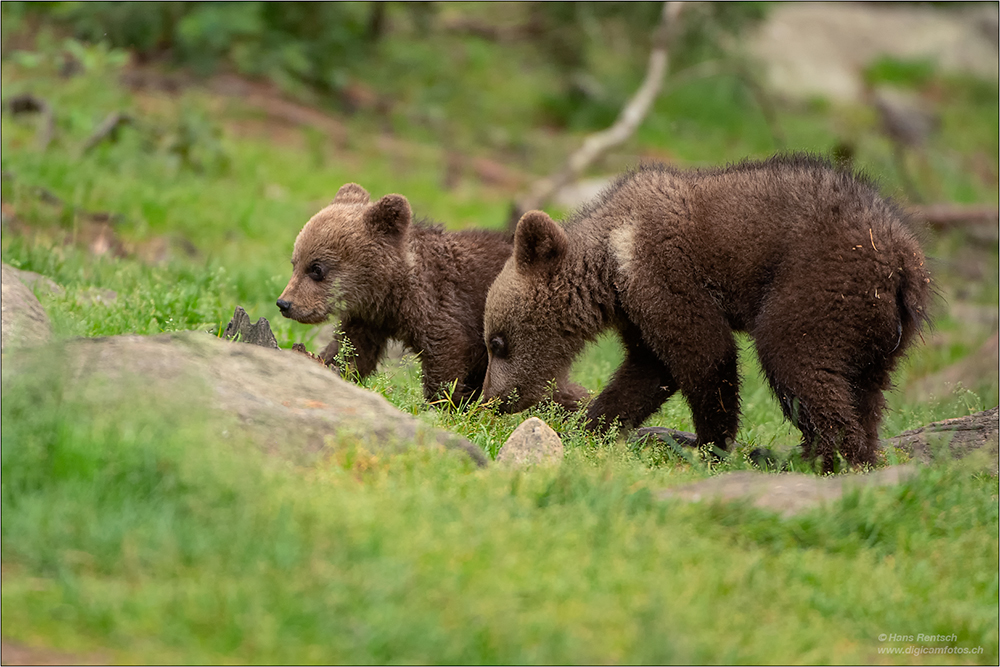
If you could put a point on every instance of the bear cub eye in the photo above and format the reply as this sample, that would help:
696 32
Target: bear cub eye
316 271
498 346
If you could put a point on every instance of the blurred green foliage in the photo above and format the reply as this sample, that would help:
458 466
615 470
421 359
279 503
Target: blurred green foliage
887 69
320 44
310 42
576 38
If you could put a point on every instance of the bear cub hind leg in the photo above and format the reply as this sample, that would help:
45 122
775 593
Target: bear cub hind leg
824 432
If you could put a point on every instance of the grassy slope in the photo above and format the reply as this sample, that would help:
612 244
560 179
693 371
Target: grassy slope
126 534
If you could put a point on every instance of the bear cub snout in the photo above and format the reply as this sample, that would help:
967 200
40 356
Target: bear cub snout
387 276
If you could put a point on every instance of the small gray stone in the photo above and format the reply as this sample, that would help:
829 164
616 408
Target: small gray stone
532 443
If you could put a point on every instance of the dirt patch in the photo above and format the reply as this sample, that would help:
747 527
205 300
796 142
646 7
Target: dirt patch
13 653
45 216
279 119
158 89
785 493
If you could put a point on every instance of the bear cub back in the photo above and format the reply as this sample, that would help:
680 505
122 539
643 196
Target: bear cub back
808 259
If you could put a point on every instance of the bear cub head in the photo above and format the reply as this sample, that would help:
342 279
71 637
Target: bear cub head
528 323
347 257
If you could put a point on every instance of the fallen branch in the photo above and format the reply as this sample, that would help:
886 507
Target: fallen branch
106 130
942 216
631 116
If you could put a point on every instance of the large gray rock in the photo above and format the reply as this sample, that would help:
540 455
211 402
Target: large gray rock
821 48
24 322
284 402
532 443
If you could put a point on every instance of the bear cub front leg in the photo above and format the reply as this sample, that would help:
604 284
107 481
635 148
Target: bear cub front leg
368 344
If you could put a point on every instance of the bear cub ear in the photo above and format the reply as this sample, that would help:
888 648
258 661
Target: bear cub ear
351 193
390 215
539 242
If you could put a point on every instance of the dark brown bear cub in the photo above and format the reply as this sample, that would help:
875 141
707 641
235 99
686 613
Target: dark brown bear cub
388 277
819 269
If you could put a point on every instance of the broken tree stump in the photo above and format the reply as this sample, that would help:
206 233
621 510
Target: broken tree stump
258 333
28 103
939 441
951 438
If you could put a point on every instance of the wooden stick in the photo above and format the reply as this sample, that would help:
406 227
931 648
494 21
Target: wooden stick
106 130
941 216
631 116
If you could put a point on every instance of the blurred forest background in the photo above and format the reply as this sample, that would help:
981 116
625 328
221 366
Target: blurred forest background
158 160
205 134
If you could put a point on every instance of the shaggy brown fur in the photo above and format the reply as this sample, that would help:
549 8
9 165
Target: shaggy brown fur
387 277
809 260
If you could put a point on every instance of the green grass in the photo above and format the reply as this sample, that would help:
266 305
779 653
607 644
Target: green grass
127 533
135 534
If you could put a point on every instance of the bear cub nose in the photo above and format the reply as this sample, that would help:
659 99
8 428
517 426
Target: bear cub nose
283 305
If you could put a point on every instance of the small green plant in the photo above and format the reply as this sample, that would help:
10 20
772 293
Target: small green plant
909 73
345 358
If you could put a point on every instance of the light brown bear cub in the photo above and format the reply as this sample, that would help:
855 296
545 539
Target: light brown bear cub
388 277
819 269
